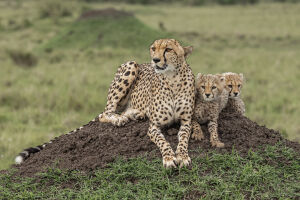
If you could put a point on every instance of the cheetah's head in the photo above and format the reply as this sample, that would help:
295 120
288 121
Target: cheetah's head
168 55
234 83
209 87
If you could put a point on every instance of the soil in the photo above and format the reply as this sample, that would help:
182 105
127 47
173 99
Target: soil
108 12
98 144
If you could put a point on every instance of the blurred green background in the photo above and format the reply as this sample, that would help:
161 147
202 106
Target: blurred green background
56 67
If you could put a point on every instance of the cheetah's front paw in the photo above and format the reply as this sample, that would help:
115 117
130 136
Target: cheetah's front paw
138 116
183 159
197 136
120 121
169 161
217 144
100 117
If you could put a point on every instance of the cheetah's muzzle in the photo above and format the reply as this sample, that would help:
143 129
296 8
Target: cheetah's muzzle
161 68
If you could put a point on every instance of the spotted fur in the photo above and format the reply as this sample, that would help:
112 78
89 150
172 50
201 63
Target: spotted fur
162 91
234 84
209 89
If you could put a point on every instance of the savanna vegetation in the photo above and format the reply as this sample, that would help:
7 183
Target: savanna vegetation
55 70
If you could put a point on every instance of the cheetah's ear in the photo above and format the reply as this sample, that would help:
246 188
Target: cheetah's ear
187 51
221 77
197 81
241 76
199 75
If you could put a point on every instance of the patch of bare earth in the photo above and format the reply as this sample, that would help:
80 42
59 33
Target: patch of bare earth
98 144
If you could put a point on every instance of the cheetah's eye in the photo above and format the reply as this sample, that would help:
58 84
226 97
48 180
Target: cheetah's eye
213 87
203 87
239 85
153 48
230 86
168 49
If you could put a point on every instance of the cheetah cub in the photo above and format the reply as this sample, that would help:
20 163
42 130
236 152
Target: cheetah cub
231 98
209 89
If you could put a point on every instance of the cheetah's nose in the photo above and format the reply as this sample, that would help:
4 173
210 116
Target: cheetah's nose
207 95
235 93
156 60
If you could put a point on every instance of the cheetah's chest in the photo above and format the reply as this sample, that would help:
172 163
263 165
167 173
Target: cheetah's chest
206 111
165 106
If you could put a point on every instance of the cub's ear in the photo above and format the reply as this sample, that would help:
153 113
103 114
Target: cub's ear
241 76
221 77
187 51
199 75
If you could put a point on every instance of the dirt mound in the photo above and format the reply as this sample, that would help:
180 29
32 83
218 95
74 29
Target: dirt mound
98 144
108 12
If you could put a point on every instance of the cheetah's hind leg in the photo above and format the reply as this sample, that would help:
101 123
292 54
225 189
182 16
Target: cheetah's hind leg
118 94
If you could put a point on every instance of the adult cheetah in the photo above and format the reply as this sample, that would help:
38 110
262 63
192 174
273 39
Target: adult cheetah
163 91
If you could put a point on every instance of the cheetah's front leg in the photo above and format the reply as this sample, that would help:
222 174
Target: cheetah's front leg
214 137
182 156
169 159
118 93
197 133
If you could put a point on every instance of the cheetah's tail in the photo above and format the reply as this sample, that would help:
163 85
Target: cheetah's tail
26 153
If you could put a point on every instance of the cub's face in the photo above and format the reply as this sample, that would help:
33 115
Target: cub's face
209 87
234 84
168 55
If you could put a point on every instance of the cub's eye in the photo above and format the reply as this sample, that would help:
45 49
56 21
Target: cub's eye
230 86
153 48
239 85
168 49
203 87
213 87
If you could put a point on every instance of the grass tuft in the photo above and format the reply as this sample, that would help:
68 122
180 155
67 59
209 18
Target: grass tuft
23 59
54 9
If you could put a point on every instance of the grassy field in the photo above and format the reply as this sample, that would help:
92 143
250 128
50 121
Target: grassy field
50 85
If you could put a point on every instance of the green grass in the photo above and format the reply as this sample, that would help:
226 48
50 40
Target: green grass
105 32
272 173
68 85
